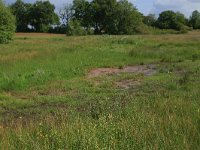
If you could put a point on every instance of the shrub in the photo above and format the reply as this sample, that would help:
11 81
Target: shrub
58 29
142 29
74 28
7 24
184 29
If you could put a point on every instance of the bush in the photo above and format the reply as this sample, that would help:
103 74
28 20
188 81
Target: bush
74 28
58 29
184 29
142 29
7 24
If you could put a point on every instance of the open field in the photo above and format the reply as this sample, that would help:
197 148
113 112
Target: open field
100 92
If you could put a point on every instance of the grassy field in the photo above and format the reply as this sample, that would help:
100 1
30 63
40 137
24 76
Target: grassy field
49 98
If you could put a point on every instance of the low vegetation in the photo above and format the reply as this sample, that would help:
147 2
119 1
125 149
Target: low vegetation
122 89
53 97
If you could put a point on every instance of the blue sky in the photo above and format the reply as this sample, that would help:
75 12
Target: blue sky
147 6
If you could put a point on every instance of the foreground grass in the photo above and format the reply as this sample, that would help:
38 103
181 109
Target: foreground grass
47 101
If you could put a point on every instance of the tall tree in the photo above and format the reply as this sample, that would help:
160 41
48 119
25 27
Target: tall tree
180 18
194 20
83 12
21 11
150 20
43 16
108 16
103 14
7 24
166 20
129 19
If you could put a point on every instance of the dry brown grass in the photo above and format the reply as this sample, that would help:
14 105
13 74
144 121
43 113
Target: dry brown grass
19 56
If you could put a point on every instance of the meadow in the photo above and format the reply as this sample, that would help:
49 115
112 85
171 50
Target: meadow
53 94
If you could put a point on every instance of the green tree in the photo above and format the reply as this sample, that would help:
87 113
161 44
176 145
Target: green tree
42 16
166 20
7 24
74 28
83 13
180 18
194 20
150 20
103 14
129 20
181 22
21 11
108 16
171 20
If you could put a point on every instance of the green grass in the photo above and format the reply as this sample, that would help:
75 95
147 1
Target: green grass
48 102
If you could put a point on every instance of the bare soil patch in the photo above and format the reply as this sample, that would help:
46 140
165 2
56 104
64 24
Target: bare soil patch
146 70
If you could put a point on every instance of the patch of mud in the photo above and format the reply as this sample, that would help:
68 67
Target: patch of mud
146 70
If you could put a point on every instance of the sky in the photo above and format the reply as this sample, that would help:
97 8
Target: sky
147 6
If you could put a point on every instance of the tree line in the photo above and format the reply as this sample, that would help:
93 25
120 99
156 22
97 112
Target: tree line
92 17
96 16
